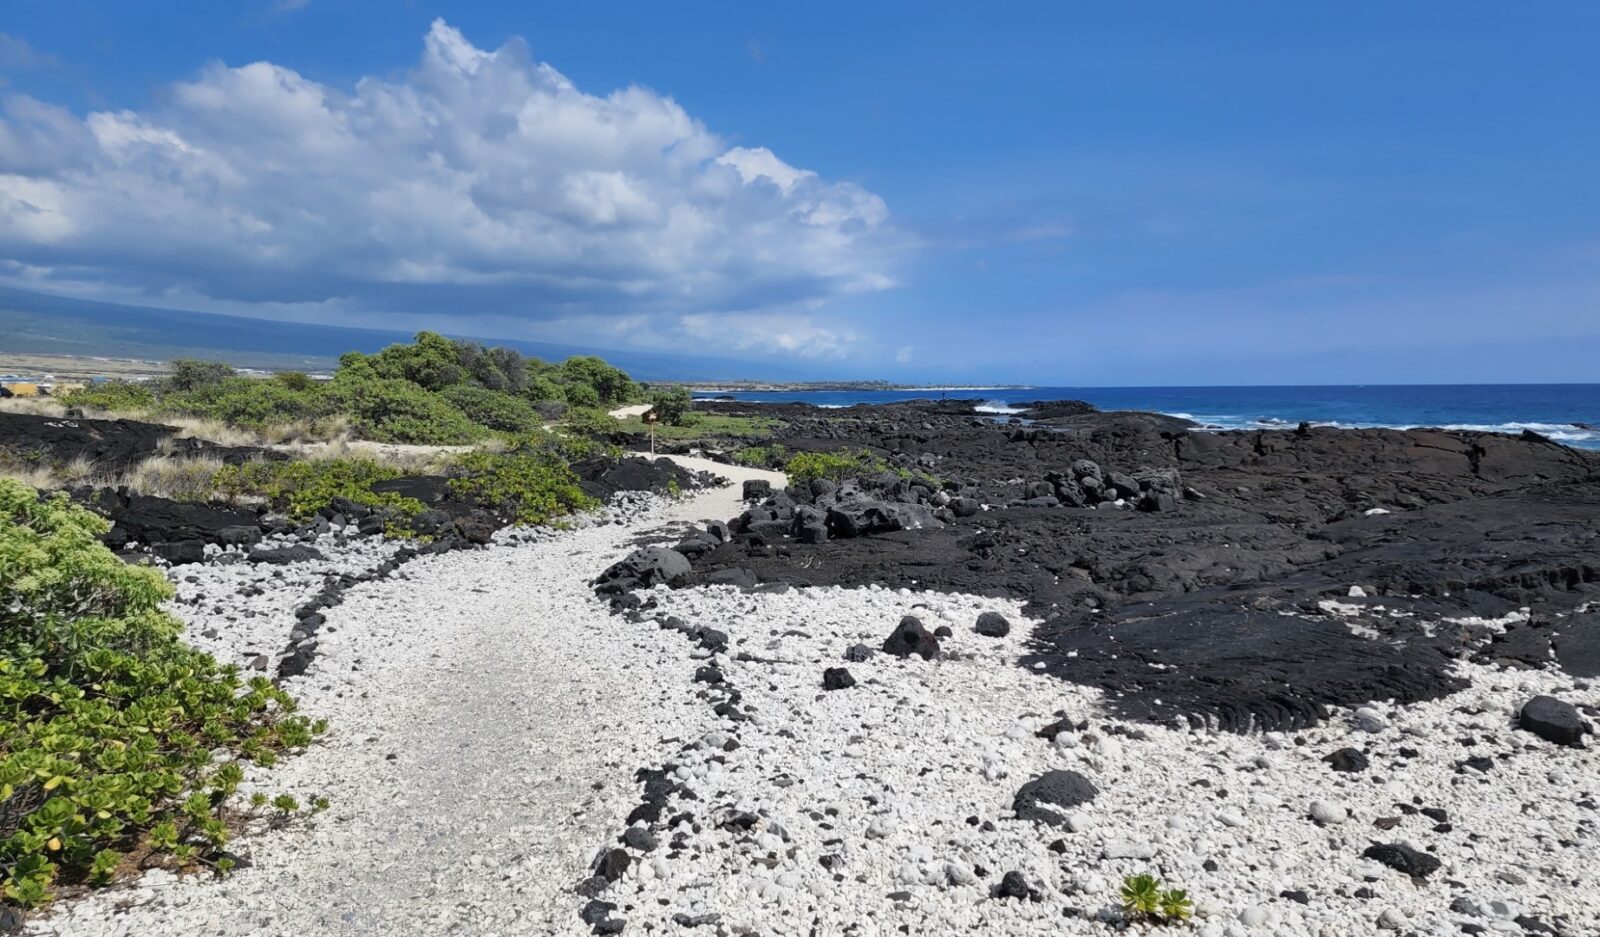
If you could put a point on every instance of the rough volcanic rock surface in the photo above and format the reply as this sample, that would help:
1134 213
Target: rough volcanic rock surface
148 519
1236 670
111 445
1133 535
602 478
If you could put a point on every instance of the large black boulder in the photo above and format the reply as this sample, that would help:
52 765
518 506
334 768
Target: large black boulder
149 519
1553 720
755 489
478 527
1012 885
740 578
1403 858
645 567
603 477
244 535
859 518
965 507
810 524
429 489
283 556
1577 644
1347 760
992 625
837 678
181 552
910 637
1047 797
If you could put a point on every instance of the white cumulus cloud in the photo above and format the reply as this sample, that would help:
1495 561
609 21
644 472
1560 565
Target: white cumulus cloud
479 182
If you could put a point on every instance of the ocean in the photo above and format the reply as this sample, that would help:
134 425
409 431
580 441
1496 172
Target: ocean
1568 413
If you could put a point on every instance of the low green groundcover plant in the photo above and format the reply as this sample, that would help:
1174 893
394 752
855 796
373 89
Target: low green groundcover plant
834 466
302 488
773 456
528 484
118 742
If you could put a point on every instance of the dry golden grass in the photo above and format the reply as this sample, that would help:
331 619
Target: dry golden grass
33 406
410 460
337 428
79 470
180 477
34 476
165 476
189 479
194 427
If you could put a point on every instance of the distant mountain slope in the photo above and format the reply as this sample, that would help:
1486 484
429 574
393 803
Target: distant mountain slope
38 323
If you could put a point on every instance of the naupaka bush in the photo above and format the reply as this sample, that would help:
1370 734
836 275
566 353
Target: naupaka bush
117 739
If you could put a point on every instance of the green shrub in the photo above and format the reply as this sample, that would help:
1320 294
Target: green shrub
431 361
302 488
250 402
190 374
835 466
526 485
295 380
773 456
492 408
671 404
582 395
112 395
593 423
434 391
569 447
394 410
611 385
115 736
542 387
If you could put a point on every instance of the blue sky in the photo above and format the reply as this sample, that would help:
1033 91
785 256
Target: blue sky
1057 193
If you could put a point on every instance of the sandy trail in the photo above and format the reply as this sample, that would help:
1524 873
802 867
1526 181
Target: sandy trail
725 502
487 716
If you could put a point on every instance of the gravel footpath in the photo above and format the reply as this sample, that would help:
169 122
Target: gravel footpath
486 717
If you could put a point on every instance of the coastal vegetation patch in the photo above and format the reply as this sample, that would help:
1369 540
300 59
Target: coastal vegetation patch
120 745
433 391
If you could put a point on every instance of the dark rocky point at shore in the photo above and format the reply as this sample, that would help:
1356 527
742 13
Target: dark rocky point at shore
1194 574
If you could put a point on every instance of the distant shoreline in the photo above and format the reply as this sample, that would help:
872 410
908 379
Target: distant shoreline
762 387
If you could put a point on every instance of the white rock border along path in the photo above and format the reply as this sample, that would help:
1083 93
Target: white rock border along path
489 716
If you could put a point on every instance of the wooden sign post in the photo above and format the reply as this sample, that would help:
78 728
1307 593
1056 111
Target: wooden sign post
651 419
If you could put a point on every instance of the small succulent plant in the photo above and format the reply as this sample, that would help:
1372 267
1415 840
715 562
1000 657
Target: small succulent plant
1141 895
1175 905
1144 898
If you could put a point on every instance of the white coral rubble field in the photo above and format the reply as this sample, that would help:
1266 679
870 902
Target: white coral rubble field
489 714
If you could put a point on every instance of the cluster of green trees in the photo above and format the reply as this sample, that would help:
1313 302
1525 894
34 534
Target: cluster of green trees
433 391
